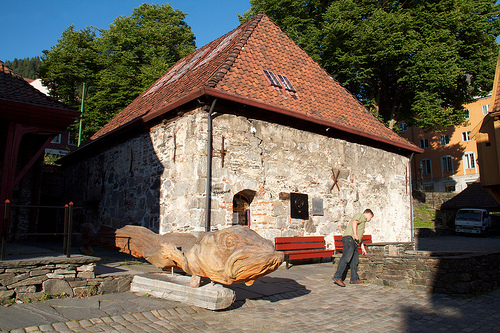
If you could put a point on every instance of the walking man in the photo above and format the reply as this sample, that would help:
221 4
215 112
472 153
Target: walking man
353 236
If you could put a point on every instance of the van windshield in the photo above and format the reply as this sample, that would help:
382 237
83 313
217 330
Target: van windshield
470 215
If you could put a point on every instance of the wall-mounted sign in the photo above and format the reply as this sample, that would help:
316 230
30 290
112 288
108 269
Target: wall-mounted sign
317 206
299 206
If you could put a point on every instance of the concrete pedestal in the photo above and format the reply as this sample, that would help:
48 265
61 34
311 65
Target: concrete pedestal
176 287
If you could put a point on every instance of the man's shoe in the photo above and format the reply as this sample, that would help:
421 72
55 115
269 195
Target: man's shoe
339 282
357 282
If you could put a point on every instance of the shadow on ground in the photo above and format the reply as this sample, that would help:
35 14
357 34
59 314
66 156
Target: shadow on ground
268 288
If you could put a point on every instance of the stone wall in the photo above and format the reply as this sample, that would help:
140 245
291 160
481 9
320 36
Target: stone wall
158 180
30 280
451 273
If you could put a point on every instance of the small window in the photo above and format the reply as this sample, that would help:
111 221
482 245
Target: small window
470 160
429 188
466 136
447 163
444 139
466 114
485 108
57 139
272 78
403 127
72 140
426 166
424 143
286 83
449 188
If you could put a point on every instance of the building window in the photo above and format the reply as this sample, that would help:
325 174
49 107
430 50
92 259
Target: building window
485 108
447 163
449 188
273 80
424 143
72 141
466 136
57 139
403 127
466 114
470 160
444 139
426 166
429 187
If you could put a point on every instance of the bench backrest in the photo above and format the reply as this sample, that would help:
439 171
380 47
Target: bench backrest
367 239
299 243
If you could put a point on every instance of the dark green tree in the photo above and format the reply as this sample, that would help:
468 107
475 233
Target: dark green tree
117 64
27 67
417 61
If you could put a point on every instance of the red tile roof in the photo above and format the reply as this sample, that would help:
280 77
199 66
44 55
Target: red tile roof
231 67
14 88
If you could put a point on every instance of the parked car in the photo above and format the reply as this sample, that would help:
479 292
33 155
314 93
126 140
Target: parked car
473 221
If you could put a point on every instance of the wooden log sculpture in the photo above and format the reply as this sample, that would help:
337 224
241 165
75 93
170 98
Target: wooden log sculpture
233 255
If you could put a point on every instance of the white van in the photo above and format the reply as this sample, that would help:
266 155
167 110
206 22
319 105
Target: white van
472 221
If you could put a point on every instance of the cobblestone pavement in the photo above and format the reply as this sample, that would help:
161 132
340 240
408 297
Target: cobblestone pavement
307 301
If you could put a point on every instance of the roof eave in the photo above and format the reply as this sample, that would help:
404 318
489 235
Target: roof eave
206 91
37 114
239 99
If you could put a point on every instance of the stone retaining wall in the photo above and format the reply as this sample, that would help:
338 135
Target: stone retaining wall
451 273
30 280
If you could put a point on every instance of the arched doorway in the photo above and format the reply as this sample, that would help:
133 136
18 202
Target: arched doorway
241 207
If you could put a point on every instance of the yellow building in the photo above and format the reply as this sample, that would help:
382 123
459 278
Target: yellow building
449 161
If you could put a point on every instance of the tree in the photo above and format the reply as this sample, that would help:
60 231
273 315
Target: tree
117 64
27 67
413 61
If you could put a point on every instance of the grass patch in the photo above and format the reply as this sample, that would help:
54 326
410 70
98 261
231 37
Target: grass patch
425 217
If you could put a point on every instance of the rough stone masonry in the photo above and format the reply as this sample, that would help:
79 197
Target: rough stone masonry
158 179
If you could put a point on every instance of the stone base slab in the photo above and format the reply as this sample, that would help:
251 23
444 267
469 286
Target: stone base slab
176 288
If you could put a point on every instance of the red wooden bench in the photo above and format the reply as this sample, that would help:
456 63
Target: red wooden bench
307 247
367 239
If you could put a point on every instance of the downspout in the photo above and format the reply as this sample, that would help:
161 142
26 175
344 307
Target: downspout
409 184
208 205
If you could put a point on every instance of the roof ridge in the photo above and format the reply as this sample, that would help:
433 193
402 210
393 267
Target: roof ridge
233 54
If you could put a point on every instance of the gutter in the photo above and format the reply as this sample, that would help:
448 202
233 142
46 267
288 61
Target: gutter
208 206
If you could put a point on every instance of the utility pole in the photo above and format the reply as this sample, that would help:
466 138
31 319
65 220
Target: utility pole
81 116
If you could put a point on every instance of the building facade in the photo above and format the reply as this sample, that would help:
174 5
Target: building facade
449 161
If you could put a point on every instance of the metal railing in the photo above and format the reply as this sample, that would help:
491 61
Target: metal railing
67 232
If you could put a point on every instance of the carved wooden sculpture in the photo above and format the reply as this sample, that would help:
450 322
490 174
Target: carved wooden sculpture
233 255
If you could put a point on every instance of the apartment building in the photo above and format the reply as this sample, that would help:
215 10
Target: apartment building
449 162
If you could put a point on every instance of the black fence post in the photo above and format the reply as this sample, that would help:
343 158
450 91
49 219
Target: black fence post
65 232
6 218
70 225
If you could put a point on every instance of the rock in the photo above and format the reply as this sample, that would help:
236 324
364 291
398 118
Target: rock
6 296
117 285
57 287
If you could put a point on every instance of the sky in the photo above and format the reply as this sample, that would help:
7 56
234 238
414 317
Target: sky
30 26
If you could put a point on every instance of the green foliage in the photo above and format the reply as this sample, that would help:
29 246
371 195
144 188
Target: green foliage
413 61
51 159
27 67
116 64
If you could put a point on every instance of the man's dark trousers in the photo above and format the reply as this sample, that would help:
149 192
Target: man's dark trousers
350 255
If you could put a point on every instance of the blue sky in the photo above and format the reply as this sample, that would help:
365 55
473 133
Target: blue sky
28 27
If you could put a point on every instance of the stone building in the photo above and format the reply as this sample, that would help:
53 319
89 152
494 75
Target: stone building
294 153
